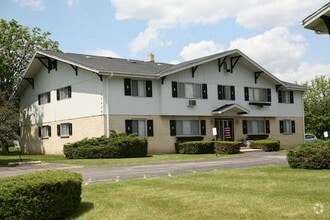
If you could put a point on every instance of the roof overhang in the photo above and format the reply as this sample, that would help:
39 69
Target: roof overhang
230 110
319 21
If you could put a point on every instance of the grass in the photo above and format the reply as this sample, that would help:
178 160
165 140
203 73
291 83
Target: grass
273 192
14 157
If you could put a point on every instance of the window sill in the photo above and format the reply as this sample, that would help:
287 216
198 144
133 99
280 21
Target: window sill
45 137
64 136
260 104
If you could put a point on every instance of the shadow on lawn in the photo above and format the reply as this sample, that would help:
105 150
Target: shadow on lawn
83 208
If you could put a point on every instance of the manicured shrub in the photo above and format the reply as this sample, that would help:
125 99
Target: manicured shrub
314 155
40 195
196 147
227 147
266 145
116 146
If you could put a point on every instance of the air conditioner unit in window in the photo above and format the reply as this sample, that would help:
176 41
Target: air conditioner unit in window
192 102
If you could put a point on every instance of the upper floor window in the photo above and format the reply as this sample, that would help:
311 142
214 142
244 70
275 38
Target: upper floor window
44 131
258 126
141 88
44 98
64 130
287 126
141 127
187 127
189 90
226 92
285 96
63 93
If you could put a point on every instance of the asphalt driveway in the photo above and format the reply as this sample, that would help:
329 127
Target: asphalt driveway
117 173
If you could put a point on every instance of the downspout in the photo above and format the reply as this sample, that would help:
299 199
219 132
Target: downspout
107 105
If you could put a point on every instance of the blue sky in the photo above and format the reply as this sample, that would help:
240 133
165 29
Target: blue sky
268 31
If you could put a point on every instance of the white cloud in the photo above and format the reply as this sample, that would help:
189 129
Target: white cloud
72 2
104 52
37 5
200 49
167 14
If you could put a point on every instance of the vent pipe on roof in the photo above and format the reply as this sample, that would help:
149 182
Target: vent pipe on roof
151 57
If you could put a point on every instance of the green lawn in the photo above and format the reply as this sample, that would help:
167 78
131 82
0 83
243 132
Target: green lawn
12 157
272 192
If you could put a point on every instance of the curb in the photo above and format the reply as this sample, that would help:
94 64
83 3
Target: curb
23 163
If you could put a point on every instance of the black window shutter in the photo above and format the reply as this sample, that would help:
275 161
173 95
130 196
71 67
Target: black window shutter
150 127
293 126
39 97
70 129
128 126
58 94
49 131
203 127
174 89
69 91
269 95
204 91
246 93
48 97
244 126
58 130
149 88
267 127
127 85
220 95
39 131
281 126
291 97
172 127
280 96
232 92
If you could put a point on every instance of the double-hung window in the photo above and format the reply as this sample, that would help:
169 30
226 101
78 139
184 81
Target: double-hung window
258 96
44 131
138 88
187 127
287 126
44 98
226 92
140 127
256 127
189 90
285 96
63 93
64 130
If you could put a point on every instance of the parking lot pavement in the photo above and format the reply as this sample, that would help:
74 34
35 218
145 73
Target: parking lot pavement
123 172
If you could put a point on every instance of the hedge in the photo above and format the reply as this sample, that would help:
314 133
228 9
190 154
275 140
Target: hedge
227 147
314 155
266 145
196 147
115 146
40 195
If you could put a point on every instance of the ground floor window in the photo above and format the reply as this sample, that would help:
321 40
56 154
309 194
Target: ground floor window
44 131
256 126
64 130
287 126
187 127
141 127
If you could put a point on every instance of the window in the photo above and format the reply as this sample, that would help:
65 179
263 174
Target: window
285 96
63 93
226 92
44 98
189 90
141 127
257 94
44 131
258 126
187 127
287 126
140 88
64 130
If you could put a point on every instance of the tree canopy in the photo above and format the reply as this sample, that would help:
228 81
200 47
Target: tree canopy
317 106
17 46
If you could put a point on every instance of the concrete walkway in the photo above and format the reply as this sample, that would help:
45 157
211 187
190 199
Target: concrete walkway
141 171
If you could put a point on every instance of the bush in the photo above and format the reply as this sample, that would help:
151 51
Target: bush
40 195
227 147
266 145
311 155
116 146
196 147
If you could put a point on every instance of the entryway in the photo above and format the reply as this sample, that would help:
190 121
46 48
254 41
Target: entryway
225 128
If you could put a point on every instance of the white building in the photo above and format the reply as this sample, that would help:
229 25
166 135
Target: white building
66 97
319 21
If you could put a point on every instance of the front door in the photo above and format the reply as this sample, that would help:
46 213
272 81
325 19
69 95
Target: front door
225 129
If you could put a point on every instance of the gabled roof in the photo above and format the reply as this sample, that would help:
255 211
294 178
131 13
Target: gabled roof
232 109
316 20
